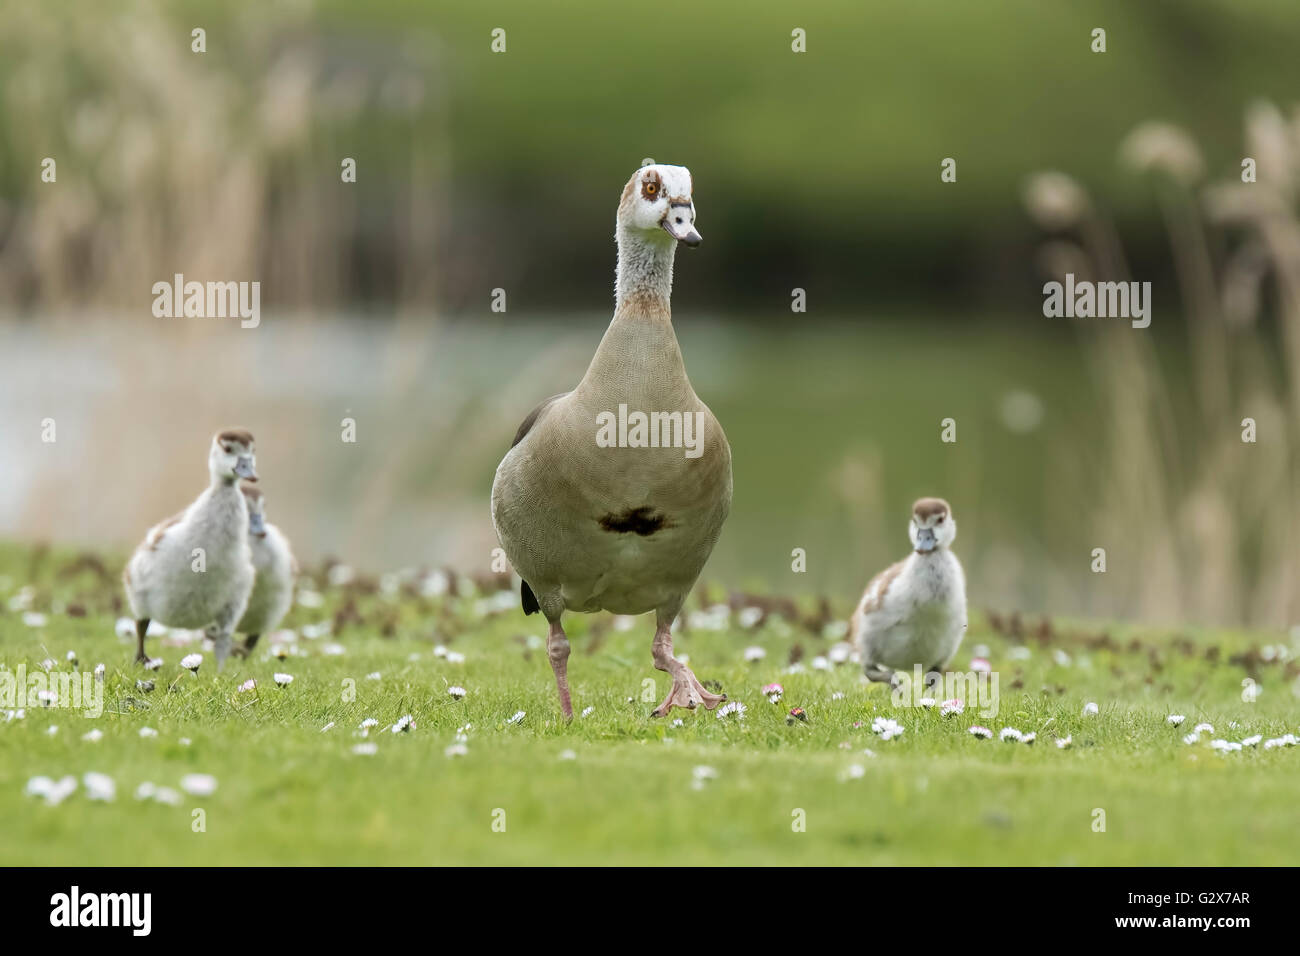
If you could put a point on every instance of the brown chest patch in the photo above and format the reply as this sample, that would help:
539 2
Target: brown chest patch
644 521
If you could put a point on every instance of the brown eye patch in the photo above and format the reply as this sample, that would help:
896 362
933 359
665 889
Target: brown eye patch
651 186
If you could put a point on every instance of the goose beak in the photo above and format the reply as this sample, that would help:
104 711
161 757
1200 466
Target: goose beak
680 224
256 523
244 468
925 541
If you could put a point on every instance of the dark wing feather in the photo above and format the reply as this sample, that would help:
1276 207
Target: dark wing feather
527 425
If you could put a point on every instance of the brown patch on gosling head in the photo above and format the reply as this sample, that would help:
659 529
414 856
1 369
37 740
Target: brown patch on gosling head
240 435
643 521
930 508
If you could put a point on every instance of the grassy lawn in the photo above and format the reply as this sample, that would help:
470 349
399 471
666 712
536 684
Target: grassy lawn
617 786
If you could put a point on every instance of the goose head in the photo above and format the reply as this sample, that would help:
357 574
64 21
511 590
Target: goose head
657 206
231 457
256 509
932 526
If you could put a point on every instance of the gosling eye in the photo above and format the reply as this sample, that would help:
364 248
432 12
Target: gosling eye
940 521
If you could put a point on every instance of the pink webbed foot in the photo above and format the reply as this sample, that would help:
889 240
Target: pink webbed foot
687 692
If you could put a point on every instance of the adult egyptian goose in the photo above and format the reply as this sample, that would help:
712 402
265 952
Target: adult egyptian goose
613 495
195 569
275 569
914 612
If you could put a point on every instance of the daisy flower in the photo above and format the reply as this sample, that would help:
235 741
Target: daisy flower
926 702
1028 738
153 663
588 711
980 665
820 663
72 658
753 654
145 791
735 707
749 617
47 697
950 707
1191 738
33 619
404 723
1175 719
93 735
247 685
887 728
1062 743
366 750
456 750
368 723
773 692
1224 746
1010 733
199 784
1090 709
1203 729
456 657
678 723
100 670
839 695
1252 740
457 692
704 772
374 675
516 717
854 771
192 662
168 796
99 786
283 680
148 732
568 755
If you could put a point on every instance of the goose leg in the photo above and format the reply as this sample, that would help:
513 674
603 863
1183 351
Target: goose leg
246 648
141 626
880 674
557 649
220 631
687 691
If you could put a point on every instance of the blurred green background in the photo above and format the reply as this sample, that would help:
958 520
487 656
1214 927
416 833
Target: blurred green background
819 170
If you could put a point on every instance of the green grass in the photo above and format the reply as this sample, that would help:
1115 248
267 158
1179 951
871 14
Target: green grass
290 794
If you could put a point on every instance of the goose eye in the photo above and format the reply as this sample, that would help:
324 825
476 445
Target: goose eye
651 188
940 521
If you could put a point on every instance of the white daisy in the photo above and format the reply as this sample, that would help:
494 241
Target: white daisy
192 662
1191 738
168 796
368 723
820 663
854 771
99 672
184 741
93 735
980 665
679 723
283 680
925 702
1090 709
199 784
440 651
47 698
457 692
247 685
704 772
840 653
568 755
374 675
1252 740
153 663
1203 729
456 750
366 749
887 728
749 617
839 695
1175 719
72 658
516 717
587 711
1063 743
753 654
99 786
145 791
52 729
148 732
1010 733
456 657
404 724
33 619
1028 738
1224 746
735 707
950 707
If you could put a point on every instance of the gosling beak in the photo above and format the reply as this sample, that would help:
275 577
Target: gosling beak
680 223
244 468
256 523
925 540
